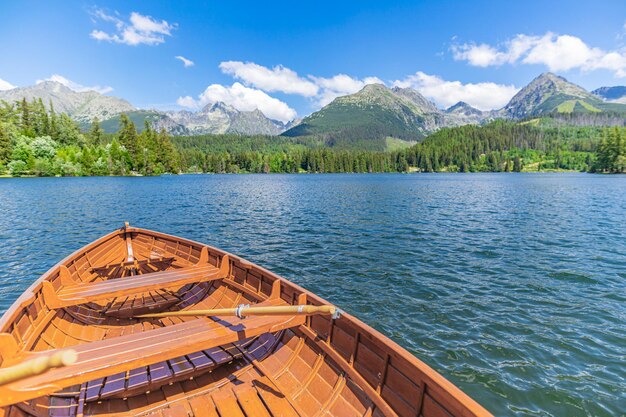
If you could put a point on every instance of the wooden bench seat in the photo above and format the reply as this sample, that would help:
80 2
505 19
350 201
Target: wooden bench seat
121 354
71 294
154 263
149 378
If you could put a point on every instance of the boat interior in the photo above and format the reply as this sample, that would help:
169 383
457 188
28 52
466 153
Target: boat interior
201 366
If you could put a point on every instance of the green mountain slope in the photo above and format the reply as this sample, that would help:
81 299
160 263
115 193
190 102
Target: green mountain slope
550 93
369 117
138 117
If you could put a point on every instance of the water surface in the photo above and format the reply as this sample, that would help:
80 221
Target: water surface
513 286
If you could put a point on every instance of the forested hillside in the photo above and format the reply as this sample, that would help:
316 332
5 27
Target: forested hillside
39 142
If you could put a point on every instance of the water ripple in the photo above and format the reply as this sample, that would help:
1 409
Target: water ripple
513 286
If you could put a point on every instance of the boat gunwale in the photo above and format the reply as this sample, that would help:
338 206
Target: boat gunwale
430 376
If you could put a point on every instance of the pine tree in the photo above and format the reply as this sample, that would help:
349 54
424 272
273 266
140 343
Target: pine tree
167 152
127 137
149 149
53 131
41 122
5 145
25 118
96 133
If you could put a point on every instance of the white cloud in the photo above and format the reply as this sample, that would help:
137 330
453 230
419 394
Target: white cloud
285 80
478 55
75 86
242 98
484 55
483 96
186 62
279 78
5 85
340 85
188 102
557 52
138 30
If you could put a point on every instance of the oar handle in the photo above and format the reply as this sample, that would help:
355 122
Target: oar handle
244 310
307 310
37 366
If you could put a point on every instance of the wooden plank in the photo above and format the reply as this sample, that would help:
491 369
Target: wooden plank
218 355
202 406
181 366
113 384
62 407
124 353
135 263
93 389
200 360
138 377
352 373
226 404
159 372
431 408
274 401
250 402
88 292
175 410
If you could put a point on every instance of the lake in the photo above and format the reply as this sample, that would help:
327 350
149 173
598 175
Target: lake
513 286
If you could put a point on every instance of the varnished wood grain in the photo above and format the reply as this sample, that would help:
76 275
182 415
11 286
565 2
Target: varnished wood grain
187 366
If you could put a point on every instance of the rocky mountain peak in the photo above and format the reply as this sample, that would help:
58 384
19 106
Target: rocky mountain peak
218 106
463 108
553 83
547 93
218 118
423 104
374 88
52 86
81 106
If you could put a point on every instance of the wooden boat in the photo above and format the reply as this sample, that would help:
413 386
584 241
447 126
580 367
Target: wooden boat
198 365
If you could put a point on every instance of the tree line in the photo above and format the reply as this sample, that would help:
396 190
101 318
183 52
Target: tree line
611 152
35 140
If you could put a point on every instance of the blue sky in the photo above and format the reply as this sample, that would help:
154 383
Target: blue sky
290 58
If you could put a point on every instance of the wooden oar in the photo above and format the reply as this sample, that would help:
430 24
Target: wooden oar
37 366
244 310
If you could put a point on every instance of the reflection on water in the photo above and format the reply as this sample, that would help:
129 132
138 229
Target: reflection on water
512 286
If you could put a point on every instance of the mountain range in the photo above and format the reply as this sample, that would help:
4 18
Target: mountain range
81 106
378 111
375 112
86 106
549 94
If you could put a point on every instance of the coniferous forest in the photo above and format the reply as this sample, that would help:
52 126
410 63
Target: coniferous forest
37 141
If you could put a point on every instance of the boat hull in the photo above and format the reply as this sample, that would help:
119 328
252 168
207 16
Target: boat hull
319 366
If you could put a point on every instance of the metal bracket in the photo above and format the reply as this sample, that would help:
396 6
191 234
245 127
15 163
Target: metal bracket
337 314
239 310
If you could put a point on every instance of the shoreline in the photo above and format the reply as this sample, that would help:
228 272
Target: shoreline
314 173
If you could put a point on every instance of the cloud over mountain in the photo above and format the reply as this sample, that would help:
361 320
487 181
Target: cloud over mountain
277 79
340 85
75 86
5 85
241 98
556 52
483 96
